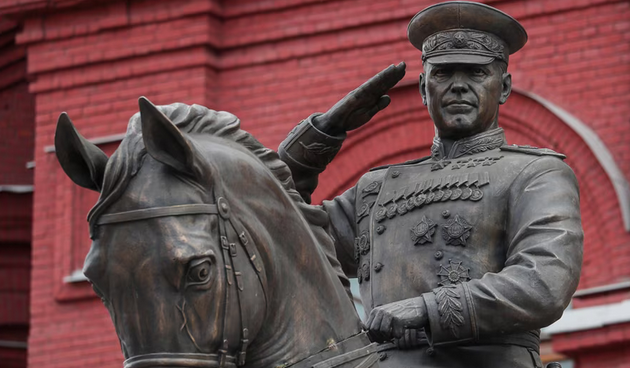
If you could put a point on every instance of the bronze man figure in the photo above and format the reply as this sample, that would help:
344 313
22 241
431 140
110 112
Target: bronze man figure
464 255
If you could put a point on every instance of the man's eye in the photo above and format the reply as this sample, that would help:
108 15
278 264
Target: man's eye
440 72
478 71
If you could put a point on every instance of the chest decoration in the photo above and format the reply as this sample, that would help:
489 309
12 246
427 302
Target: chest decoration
456 231
398 202
364 210
361 245
423 232
363 273
453 273
372 188
474 162
440 165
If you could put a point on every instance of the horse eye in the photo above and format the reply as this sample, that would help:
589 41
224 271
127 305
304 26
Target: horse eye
199 273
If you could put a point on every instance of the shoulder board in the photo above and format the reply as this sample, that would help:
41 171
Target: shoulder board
529 150
410 162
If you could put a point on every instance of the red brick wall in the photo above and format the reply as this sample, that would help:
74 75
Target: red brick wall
273 63
17 126
15 268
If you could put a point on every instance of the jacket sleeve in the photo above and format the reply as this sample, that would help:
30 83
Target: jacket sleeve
307 151
544 256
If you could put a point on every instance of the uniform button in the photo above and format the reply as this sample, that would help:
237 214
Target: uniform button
382 356
395 174
438 255
446 213
380 229
378 267
430 352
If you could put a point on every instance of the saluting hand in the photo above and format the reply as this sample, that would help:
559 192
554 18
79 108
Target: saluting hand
390 320
360 105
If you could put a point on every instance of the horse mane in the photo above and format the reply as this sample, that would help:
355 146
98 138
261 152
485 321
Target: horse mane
125 163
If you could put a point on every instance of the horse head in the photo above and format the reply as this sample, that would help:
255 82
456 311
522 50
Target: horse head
201 252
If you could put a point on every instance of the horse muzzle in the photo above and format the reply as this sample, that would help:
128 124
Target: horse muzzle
181 360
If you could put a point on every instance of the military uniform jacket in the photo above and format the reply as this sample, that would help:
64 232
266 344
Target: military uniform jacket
488 234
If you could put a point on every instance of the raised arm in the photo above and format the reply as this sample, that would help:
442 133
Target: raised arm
313 144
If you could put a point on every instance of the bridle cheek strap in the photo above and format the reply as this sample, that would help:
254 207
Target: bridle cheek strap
222 209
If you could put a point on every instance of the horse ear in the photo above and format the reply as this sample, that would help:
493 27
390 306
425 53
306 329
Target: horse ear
165 142
81 160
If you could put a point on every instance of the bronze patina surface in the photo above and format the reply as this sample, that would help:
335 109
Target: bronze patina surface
207 253
464 255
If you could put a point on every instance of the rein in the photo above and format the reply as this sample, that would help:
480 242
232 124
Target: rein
233 277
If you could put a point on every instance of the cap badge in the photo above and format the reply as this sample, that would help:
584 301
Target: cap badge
467 41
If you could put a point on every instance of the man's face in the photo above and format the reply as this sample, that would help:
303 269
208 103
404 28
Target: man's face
464 99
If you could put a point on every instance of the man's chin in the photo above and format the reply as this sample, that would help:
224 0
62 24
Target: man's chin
460 123
458 127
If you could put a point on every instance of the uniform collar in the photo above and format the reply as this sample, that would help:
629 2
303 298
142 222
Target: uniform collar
481 142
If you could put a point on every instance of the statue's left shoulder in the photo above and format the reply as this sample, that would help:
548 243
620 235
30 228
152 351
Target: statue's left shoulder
529 150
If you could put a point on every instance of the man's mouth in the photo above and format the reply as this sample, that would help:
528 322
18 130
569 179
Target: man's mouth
459 107
459 103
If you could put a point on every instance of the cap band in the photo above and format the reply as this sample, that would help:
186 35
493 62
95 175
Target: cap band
464 42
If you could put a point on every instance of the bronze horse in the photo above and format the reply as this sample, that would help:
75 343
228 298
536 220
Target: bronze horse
203 252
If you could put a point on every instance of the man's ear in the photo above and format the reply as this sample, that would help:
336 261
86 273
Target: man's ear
507 88
81 160
423 88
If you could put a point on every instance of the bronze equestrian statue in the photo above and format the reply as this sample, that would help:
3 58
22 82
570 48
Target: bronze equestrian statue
206 252
464 255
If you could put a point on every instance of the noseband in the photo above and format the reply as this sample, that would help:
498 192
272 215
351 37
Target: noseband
229 251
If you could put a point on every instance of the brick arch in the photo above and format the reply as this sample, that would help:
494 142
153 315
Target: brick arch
404 131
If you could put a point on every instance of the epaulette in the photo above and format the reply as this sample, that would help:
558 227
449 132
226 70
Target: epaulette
532 150
410 162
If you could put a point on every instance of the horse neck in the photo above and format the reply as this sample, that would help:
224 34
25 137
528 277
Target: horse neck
308 307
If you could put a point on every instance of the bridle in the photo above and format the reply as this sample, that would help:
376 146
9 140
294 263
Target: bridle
233 277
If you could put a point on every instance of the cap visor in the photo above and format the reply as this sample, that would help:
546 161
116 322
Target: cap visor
460 59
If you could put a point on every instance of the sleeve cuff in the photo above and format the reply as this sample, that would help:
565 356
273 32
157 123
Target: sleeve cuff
450 317
310 148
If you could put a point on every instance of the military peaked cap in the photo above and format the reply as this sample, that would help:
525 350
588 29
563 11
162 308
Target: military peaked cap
465 32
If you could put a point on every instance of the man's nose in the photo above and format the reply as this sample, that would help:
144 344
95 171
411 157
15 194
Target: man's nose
459 84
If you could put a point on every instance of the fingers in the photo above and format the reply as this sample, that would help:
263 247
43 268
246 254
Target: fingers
368 323
382 82
380 324
383 102
386 325
398 330
374 324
